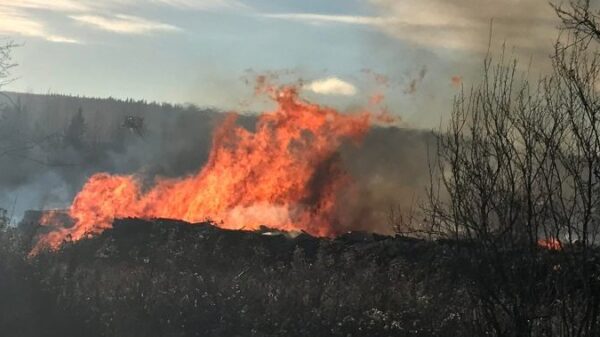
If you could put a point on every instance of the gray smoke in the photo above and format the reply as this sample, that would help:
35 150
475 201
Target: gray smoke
527 25
47 156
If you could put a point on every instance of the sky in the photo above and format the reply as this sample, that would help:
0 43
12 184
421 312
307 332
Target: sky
417 53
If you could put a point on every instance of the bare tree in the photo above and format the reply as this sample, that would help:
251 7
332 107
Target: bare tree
14 141
519 167
6 62
579 17
6 65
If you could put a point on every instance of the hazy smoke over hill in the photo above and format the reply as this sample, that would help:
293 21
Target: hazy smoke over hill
49 156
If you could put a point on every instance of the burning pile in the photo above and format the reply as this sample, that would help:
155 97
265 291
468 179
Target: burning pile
286 175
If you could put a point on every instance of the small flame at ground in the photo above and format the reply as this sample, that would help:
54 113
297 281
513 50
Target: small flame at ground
550 244
286 175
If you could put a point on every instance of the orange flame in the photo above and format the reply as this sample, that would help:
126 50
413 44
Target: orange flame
457 81
285 175
550 244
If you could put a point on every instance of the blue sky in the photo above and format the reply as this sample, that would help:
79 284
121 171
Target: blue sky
200 51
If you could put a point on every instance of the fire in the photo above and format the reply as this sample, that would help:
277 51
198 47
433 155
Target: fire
550 244
287 175
457 81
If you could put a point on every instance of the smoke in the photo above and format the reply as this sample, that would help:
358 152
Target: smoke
44 165
450 39
391 167
528 25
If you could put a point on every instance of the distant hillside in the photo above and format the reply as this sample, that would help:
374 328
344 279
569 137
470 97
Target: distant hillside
54 112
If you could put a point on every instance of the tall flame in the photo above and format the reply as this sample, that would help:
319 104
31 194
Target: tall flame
286 174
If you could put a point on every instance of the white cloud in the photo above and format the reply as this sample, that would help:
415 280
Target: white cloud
61 39
27 17
53 5
331 86
203 4
14 22
98 5
125 24
324 18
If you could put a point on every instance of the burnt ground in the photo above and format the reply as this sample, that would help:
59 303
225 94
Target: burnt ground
169 278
